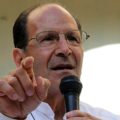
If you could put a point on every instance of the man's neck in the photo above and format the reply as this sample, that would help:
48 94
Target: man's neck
58 106
59 111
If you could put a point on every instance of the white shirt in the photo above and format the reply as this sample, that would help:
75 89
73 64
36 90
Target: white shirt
44 112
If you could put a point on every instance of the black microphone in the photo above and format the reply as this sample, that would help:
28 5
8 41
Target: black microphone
71 87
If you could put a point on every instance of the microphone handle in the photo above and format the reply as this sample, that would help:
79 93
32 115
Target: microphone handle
71 101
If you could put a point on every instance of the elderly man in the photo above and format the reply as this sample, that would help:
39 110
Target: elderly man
48 47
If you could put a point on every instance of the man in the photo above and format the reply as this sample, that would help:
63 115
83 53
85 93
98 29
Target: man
48 47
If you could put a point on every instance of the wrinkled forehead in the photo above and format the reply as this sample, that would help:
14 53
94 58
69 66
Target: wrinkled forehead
50 17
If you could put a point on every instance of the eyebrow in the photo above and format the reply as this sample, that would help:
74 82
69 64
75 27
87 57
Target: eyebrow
70 30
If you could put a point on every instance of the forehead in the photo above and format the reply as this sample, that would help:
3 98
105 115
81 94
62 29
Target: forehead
50 17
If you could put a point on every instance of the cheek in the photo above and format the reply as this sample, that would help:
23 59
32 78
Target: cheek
78 52
39 67
41 59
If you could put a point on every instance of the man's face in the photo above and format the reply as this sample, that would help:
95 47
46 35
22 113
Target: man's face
53 61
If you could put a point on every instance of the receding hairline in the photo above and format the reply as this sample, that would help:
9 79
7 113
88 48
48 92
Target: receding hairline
49 9
49 6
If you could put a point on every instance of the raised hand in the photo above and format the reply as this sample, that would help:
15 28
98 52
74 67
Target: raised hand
21 92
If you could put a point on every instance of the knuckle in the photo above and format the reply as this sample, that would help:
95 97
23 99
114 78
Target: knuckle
29 89
12 80
9 91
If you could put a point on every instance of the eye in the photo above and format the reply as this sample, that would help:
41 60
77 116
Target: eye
49 37
72 38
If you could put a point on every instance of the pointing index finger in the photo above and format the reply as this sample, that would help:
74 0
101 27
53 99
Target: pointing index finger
27 64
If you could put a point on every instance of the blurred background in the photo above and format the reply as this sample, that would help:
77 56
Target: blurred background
101 67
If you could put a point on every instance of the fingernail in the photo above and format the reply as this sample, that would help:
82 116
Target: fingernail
30 92
2 94
15 96
21 99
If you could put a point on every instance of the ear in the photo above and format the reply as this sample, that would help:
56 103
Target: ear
18 55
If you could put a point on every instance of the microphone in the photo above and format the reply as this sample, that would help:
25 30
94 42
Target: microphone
71 87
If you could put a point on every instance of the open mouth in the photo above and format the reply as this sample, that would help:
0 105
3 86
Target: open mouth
63 67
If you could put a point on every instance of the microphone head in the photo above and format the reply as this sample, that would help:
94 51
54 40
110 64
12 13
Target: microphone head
70 84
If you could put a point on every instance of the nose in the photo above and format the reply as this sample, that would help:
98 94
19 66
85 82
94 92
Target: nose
63 47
